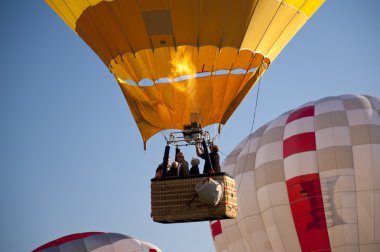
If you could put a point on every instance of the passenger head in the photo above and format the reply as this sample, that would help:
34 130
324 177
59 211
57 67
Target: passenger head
179 157
195 161
160 167
214 148
175 165
159 171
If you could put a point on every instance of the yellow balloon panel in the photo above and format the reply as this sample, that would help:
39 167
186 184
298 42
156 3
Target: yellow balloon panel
208 56
235 28
293 26
308 8
185 21
279 23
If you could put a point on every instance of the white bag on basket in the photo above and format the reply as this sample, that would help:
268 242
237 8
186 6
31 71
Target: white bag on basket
209 191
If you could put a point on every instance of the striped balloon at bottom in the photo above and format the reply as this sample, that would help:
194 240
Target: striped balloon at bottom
97 242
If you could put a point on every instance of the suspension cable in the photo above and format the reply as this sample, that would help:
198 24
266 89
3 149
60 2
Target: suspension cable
249 141
162 133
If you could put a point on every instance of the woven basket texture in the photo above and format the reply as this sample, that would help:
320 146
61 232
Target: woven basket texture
175 200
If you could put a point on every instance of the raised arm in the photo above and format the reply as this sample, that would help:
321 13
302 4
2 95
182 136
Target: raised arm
199 150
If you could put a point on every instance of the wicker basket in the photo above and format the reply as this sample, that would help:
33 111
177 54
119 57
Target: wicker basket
174 199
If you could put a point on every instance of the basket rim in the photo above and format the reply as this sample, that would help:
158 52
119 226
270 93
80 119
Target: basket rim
194 176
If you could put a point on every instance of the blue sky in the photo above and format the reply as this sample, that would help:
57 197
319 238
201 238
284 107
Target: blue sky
71 156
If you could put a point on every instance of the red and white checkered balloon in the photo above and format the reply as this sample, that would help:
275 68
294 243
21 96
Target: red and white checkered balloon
308 181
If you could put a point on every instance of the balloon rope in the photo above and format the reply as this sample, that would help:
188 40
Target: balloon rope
217 135
253 122
163 134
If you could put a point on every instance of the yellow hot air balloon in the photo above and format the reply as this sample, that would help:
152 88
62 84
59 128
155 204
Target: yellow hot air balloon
184 61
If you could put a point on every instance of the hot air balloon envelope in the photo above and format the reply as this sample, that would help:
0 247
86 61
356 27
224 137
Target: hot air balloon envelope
97 241
308 181
180 61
